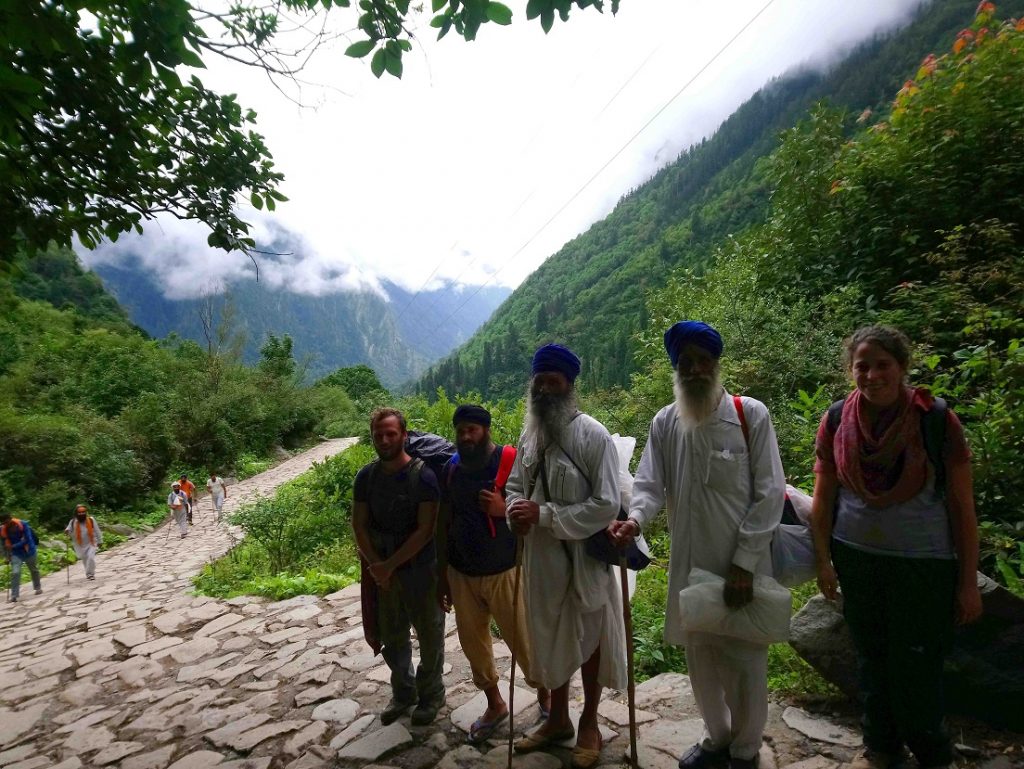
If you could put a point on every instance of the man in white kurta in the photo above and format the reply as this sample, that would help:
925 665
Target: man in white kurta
724 497
573 602
218 493
177 502
86 538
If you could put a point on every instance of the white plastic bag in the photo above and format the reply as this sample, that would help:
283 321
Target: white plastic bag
793 555
764 620
624 446
801 502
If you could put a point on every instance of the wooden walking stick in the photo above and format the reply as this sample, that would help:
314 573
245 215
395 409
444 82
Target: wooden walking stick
512 646
627 616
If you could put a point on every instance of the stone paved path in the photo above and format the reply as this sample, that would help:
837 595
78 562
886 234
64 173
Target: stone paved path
131 671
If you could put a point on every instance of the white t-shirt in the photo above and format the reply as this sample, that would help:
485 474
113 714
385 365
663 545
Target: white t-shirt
216 486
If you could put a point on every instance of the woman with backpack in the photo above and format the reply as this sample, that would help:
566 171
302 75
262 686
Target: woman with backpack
895 528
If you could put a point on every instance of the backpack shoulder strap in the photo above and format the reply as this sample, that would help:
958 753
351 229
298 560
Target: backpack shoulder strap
737 401
449 469
508 458
835 415
933 428
415 470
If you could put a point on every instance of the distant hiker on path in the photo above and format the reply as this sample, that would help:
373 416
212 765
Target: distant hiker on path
713 459
563 489
218 492
476 559
189 489
394 517
895 527
19 548
86 538
178 504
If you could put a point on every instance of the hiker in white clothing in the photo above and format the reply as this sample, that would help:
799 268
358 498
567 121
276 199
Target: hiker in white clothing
86 538
712 461
177 501
218 492
563 488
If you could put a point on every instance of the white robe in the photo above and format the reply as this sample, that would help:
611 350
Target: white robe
723 502
571 597
86 552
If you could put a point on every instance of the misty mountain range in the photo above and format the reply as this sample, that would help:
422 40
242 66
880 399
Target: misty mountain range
398 336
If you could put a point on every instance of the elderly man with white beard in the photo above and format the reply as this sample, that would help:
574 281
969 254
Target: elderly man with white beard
563 488
724 493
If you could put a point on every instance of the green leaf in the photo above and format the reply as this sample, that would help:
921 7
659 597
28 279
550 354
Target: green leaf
393 64
360 49
271 203
547 20
191 58
437 5
257 201
378 62
535 8
499 14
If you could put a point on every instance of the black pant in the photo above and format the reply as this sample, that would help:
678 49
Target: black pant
900 615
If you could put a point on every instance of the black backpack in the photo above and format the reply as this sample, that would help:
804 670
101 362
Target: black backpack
434 450
933 430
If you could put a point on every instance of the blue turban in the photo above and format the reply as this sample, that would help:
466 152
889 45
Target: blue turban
555 357
470 412
692 332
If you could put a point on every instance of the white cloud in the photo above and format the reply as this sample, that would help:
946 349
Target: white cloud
455 171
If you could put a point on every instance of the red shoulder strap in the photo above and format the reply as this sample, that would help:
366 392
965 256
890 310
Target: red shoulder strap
508 458
738 403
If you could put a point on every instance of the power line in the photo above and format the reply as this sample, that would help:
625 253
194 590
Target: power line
610 160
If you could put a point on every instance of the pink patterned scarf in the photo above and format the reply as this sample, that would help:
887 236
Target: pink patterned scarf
866 462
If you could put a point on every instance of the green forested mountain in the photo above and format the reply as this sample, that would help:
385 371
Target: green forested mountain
329 331
590 294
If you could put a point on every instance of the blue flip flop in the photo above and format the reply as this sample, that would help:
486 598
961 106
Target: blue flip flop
481 730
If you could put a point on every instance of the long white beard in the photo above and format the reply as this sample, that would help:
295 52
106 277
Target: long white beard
696 400
546 428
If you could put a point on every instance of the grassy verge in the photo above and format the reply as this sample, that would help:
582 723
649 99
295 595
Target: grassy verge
297 542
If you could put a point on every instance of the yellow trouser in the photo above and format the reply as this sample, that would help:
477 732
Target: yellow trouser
476 600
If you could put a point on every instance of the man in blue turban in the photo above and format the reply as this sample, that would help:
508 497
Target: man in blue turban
564 487
713 460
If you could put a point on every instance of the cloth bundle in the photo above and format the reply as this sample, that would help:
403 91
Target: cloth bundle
765 620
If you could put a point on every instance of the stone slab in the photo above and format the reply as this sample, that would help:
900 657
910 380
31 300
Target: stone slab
326 692
115 751
378 743
248 740
309 735
821 729
338 711
154 759
14 725
351 731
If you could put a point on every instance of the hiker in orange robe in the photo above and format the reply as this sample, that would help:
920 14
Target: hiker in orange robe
86 538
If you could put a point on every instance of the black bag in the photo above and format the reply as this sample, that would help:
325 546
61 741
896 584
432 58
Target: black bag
434 450
599 545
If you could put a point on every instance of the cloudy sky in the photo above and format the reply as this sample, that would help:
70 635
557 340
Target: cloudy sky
488 156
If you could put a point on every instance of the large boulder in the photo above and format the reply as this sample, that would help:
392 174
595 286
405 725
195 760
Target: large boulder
984 675
121 528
